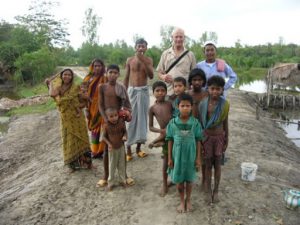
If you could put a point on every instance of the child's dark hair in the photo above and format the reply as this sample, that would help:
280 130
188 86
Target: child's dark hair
180 80
197 72
217 81
157 84
111 110
113 67
141 41
185 97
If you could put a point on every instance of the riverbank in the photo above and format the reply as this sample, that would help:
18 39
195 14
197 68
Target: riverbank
36 189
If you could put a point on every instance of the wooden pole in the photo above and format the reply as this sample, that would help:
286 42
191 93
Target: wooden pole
274 102
268 87
294 101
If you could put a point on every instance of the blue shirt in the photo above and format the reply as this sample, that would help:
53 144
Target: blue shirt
210 69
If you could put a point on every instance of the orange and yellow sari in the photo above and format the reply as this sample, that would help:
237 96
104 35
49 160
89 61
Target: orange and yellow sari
95 120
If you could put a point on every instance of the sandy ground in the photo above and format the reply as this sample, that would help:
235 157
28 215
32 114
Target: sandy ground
35 187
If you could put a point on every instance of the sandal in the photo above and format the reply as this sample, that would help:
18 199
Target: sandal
102 183
128 158
141 154
130 181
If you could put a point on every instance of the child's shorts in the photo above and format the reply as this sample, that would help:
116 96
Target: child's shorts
213 146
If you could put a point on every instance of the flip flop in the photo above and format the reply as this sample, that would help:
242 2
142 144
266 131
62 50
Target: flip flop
142 154
130 181
128 158
102 183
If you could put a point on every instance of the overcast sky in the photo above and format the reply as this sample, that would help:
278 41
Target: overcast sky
252 21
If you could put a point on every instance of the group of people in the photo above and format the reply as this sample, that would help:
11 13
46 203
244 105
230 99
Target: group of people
190 107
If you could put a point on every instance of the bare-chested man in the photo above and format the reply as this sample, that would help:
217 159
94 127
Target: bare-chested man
111 95
162 111
138 69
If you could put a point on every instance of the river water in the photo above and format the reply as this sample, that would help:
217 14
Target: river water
292 129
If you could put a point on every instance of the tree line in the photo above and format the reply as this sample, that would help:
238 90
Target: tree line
31 49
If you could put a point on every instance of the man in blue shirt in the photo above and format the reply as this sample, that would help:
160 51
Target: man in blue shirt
212 66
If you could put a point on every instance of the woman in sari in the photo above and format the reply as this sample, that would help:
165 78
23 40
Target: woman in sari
94 79
75 141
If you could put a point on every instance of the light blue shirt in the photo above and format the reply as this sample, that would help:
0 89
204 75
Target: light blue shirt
210 69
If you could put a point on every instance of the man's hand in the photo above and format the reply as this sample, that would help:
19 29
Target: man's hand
167 78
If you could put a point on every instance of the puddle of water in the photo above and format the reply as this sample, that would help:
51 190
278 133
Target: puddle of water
292 130
257 86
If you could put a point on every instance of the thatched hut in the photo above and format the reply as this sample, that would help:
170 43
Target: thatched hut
283 75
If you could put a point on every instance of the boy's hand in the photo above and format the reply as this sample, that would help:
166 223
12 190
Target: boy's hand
110 147
124 138
198 164
170 164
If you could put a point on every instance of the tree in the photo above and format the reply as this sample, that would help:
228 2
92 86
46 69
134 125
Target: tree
90 26
35 66
41 22
166 35
208 36
15 40
135 38
5 31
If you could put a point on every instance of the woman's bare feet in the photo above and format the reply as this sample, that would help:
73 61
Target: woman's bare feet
71 170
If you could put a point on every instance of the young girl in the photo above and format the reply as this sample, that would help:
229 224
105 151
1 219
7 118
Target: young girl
183 135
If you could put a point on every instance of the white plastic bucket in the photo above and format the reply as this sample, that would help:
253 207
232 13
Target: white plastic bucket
248 171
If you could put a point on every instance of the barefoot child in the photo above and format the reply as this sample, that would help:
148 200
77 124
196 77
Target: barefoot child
184 135
179 87
213 116
111 95
197 81
114 135
162 111
138 69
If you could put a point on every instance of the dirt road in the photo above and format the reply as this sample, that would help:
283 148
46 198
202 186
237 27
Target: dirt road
35 188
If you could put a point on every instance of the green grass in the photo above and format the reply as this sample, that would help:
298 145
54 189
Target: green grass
26 91
38 108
